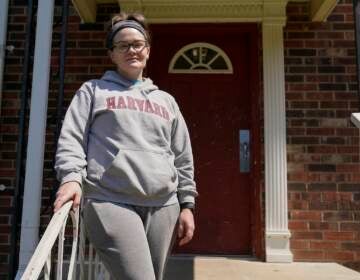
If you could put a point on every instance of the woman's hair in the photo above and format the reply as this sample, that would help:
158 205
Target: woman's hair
137 17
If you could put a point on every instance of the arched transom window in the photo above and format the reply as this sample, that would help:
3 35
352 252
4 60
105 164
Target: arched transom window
201 58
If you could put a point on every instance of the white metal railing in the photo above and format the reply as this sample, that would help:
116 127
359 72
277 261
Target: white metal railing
41 259
355 118
90 267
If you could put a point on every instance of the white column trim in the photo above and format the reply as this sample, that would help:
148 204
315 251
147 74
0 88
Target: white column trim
277 234
36 141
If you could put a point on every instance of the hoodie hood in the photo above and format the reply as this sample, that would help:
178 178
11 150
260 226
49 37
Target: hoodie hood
146 85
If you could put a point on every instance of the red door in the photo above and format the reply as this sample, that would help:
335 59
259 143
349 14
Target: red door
216 107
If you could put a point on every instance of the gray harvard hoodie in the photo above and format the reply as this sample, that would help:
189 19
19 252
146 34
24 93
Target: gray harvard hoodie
127 143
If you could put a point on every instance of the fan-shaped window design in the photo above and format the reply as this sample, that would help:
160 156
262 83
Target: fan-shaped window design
201 58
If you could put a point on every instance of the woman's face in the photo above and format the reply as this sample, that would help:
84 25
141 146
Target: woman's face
130 53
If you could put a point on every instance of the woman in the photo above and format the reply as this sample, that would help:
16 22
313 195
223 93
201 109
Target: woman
125 145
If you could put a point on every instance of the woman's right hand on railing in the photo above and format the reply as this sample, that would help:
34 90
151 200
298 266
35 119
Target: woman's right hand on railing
68 191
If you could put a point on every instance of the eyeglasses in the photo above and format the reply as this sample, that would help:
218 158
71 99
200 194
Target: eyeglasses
124 47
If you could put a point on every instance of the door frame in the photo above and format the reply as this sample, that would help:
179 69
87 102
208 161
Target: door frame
251 30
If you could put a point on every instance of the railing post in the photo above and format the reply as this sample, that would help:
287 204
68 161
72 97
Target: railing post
72 265
47 267
61 239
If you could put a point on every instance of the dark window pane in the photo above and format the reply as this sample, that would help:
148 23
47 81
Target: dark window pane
219 64
182 63
208 54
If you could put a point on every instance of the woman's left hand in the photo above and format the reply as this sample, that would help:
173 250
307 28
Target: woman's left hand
186 226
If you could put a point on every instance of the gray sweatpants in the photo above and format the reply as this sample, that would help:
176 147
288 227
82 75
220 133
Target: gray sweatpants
133 242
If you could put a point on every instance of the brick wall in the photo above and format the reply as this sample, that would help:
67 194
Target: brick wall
86 59
9 127
323 145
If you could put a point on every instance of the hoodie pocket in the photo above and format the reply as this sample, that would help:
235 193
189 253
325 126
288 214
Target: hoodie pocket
146 173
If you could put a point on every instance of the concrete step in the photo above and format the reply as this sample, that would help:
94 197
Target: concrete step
235 268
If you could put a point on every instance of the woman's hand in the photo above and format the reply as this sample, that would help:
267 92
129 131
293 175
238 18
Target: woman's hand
66 192
186 226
